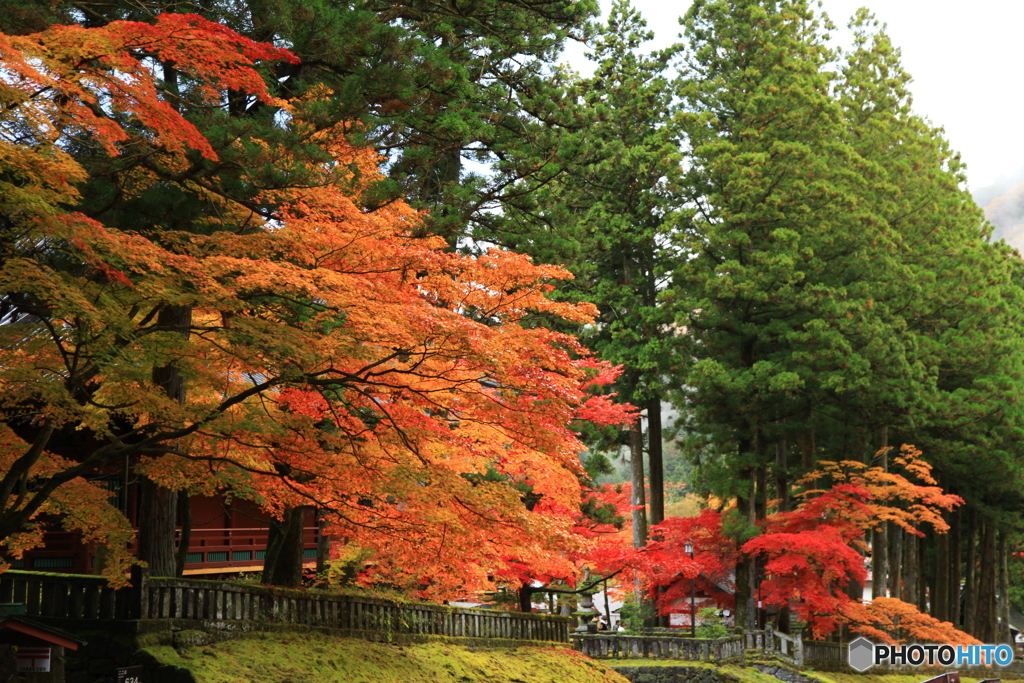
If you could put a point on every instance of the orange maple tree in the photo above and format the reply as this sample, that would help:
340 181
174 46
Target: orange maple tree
334 358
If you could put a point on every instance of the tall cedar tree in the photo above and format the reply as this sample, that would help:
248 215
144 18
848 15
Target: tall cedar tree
778 277
958 295
607 216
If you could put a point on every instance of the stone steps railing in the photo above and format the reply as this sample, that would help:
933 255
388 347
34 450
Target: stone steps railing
657 646
217 601
66 596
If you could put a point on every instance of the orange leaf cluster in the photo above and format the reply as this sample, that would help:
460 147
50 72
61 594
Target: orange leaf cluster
889 620
908 500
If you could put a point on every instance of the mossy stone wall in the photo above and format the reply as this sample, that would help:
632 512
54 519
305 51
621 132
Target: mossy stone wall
674 674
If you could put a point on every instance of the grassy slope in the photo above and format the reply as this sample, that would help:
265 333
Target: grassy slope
315 658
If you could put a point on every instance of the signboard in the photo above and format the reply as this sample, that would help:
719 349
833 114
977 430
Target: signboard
948 677
33 660
129 674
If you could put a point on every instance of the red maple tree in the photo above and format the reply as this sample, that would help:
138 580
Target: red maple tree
808 556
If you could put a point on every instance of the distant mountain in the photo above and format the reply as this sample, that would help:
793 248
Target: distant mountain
1003 202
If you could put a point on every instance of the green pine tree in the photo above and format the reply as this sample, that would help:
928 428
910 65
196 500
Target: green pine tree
606 215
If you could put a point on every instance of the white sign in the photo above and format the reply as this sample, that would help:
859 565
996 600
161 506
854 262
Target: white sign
33 660
678 619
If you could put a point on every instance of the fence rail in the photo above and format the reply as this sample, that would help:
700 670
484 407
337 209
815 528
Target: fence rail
825 654
68 596
81 597
214 600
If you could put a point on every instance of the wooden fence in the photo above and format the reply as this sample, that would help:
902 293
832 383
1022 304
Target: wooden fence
67 596
826 656
88 597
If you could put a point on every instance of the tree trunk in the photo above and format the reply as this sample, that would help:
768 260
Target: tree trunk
954 568
745 569
1004 591
970 575
940 596
987 612
185 540
806 451
323 545
911 576
926 585
880 537
781 476
854 588
283 564
655 461
744 594
158 513
927 569
760 491
896 570
526 598
157 517
639 499
782 495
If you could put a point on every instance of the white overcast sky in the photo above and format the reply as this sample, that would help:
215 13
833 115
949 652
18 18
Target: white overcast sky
966 59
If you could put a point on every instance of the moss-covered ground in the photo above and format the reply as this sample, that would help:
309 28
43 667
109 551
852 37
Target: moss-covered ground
316 658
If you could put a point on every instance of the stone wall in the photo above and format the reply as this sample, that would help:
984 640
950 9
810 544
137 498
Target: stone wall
97 661
784 674
675 674
704 674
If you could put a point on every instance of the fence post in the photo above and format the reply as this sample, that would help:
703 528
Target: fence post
138 605
769 639
798 648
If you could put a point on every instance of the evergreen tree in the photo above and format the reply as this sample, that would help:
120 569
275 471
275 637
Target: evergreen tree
607 216
958 295
781 250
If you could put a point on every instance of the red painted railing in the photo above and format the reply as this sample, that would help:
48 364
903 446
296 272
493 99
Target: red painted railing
236 548
209 549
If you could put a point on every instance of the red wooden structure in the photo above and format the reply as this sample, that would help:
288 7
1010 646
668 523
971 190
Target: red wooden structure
225 538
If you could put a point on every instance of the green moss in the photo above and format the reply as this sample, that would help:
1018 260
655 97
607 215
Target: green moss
318 658
727 672
659 662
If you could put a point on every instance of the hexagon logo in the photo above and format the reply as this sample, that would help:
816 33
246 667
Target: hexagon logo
861 654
